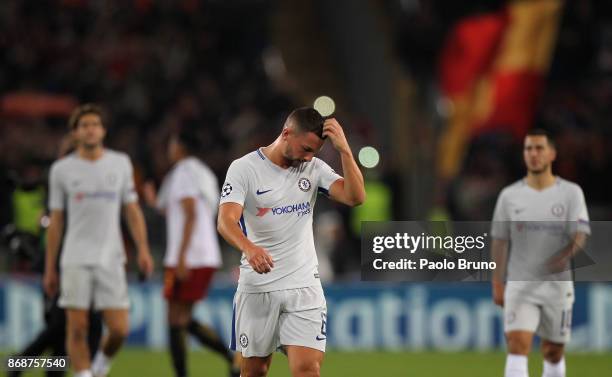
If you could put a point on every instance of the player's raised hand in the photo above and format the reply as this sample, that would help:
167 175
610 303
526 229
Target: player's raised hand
333 130
259 259
50 283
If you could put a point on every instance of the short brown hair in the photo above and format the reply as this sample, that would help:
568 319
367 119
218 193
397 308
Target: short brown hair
88 108
307 119
542 132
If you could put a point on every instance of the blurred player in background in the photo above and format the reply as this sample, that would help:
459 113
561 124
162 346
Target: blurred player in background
53 335
189 197
93 185
266 212
543 220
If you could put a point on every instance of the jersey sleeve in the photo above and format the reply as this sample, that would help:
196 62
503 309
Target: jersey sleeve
327 176
210 190
578 216
184 185
236 185
128 191
57 194
500 227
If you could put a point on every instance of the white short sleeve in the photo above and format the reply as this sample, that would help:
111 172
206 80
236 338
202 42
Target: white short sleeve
57 194
236 183
327 176
500 227
578 216
183 185
128 191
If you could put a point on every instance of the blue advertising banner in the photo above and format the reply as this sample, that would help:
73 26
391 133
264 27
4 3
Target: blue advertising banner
361 316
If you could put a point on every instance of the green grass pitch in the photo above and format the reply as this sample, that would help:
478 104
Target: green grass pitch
146 363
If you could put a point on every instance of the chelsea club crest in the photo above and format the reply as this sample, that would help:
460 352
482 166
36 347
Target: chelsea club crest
304 184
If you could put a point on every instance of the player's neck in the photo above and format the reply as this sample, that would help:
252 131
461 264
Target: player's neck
275 155
180 158
90 154
540 181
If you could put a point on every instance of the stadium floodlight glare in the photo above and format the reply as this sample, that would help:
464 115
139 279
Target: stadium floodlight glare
325 105
368 157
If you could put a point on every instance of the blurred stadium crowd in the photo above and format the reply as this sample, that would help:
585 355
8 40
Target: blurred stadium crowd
157 66
154 66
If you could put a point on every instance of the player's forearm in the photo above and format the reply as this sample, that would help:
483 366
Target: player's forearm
188 228
499 255
576 244
231 232
54 235
137 226
354 187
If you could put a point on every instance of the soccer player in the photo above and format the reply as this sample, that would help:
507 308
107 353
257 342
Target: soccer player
190 198
266 210
53 336
543 221
93 185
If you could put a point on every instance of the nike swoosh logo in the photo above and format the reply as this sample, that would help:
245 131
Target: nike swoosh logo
321 338
262 192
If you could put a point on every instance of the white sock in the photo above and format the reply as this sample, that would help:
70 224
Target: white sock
83 373
516 366
554 370
101 364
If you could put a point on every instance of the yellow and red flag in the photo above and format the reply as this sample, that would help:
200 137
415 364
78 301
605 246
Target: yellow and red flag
492 69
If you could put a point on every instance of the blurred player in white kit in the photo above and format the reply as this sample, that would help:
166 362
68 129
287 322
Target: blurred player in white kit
189 197
93 185
542 221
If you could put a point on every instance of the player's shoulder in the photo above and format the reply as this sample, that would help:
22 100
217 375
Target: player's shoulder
194 162
317 163
183 166
64 162
118 159
248 161
193 165
117 155
513 188
568 186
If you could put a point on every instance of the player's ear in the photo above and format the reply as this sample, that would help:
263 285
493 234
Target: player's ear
553 154
285 132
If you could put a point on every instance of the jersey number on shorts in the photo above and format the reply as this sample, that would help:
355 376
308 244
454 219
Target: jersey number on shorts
566 321
324 324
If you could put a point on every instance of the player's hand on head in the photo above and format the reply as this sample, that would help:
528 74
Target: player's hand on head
260 260
335 133
50 283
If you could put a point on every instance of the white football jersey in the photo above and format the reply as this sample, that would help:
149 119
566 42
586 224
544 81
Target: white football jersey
277 215
92 193
538 225
191 178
